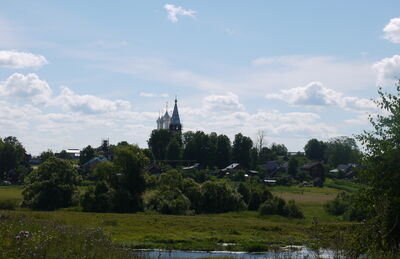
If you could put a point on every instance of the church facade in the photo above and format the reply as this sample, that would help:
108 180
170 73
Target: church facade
170 122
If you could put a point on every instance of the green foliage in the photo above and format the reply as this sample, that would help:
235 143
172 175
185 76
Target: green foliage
342 150
241 150
169 201
278 206
173 151
382 163
223 152
8 204
86 154
29 237
292 166
158 142
120 183
12 156
45 155
279 149
52 186
315 149
220 196
339 205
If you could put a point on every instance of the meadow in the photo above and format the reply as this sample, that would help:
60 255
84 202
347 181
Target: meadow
240 231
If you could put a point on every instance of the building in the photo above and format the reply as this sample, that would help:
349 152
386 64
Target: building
167 122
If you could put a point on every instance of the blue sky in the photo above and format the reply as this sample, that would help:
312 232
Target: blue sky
74 72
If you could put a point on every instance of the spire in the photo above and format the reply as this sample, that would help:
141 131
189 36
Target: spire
175 120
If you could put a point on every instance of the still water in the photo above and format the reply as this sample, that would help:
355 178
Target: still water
302 252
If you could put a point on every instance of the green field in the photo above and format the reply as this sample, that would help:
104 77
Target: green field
233 231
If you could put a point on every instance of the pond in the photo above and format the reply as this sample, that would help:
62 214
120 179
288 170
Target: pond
286 252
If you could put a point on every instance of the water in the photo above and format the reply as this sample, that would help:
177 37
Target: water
301 253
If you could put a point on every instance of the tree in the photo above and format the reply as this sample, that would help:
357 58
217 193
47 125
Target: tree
52 186
197 147
220 196
120 184
342 150
223 151
45 155
12 156
86 154
241 150
63 155
279 149
260 140
315 149
381 234
173 151
158 142
292 166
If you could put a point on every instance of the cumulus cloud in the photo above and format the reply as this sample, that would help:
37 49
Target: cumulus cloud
388 70
223 103
14 59
26 87
143 94
316 94
392 30
89 103
174 11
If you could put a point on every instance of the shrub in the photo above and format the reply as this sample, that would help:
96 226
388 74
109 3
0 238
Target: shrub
278 206
221 196
169 202
294 211
52 186
8 204
339 205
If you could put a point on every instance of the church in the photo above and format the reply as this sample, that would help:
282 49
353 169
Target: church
167 122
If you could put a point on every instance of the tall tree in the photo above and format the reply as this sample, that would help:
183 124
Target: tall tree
173 152
315 149
241 150
52 186
223 151
197 148
342 150
381 233
158 142
86 154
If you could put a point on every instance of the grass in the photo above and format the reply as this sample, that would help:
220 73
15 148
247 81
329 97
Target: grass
246 230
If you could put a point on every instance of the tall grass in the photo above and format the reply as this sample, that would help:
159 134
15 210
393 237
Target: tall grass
27 236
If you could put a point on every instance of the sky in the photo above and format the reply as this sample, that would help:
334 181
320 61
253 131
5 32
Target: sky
75 72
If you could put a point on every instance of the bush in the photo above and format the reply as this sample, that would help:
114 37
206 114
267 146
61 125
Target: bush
278 206
339 205
169 202
294 211
274 206
8 204
52 186
221 196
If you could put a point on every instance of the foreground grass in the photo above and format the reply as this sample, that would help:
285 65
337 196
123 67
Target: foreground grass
26 236
240 231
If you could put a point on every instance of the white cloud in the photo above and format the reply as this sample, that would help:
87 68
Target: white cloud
315 94
89 103
392 30
28 87
174 11
152 95
223 103
388 70
14 59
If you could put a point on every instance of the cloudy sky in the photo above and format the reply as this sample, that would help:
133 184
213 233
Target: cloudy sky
74 72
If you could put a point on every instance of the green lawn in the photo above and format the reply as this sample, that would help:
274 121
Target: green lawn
13 192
